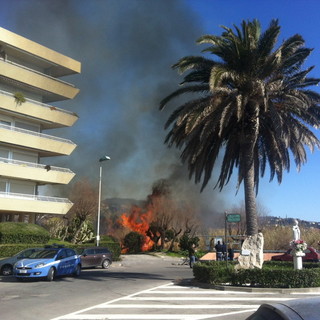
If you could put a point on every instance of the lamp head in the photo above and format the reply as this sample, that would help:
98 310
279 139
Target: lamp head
104 158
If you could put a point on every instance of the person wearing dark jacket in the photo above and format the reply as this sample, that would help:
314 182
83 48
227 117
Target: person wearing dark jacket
192 256
219 249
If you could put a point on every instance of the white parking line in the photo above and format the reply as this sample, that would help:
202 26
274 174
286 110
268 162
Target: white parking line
151 317
67 316
206 298
144 295
166 306
194 291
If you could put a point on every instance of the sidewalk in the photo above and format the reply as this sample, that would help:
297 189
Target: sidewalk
154 258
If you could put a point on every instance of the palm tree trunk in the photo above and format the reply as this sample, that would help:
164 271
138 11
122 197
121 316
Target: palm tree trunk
251 130
250 199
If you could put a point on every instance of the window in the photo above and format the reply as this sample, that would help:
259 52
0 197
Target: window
3 186
4 153
89 251
27 126
22 156
62 254
22 187
70 253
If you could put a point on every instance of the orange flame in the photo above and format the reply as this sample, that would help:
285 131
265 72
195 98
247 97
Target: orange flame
139 221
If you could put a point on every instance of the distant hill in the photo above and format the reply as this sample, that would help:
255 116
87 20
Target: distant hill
121 205
269 220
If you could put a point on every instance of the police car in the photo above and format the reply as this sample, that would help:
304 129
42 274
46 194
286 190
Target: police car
48 263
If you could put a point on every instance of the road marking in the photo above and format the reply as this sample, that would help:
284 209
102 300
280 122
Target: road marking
105 303
151 317
206 298
166 306
194 291
144 295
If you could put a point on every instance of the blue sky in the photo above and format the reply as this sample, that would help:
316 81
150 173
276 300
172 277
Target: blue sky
126 48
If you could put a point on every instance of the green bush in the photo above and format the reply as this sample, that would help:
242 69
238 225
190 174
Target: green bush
213 272
8 250
185 242
133 242
272 275
277 278
19 232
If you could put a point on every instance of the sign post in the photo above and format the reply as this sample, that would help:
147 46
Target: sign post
229 218
233 217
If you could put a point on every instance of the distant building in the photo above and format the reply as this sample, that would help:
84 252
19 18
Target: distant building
29 83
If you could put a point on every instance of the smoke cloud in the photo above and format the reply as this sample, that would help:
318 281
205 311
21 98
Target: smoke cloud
126 48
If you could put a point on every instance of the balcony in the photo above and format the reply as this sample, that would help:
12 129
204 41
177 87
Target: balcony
36 54
45 145
25 203
48 116
42 174
50 88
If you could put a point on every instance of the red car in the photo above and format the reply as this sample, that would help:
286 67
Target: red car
312 255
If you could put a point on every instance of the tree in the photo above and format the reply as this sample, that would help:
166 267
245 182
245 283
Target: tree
81 215
77 225
252 106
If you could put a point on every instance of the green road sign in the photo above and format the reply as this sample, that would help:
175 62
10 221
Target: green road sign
233 217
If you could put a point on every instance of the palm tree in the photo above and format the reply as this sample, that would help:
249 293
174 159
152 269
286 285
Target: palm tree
252 107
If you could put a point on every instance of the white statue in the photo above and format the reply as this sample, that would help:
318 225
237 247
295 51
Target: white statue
296 231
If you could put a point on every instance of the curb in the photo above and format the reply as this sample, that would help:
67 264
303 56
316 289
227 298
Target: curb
272 290
195 283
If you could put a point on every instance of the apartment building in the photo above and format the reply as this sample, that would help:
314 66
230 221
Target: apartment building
30 83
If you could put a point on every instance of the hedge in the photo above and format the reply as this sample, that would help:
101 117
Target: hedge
8 250
19 232
272 275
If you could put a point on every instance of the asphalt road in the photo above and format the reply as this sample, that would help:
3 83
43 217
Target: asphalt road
139 287
33 300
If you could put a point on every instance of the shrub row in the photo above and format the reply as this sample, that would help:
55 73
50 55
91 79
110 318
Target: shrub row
272 275
8 250
13 232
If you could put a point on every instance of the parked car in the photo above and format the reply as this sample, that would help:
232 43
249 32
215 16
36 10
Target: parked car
48 263
6 265
311 255
95 257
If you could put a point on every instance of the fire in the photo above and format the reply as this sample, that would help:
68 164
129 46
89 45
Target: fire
139 221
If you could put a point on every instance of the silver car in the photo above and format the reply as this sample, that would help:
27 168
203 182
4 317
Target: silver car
6 265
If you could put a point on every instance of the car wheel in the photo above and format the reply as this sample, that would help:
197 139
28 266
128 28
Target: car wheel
106 264
77 271
7 270
51 274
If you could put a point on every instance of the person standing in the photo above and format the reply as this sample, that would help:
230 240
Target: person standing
224 251
192 256
219 253
230 254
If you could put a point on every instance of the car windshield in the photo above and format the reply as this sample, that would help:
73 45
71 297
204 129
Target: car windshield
44 254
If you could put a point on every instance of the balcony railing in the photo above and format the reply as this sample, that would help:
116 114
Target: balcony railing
35 165
22 196
40 104
35 133
37 72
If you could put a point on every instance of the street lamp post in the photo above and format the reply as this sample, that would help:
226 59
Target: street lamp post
104 158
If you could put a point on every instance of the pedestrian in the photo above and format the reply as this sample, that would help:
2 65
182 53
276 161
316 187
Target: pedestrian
230 254
192 255
218 248
224 251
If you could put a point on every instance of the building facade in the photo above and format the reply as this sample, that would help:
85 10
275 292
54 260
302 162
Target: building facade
30 82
